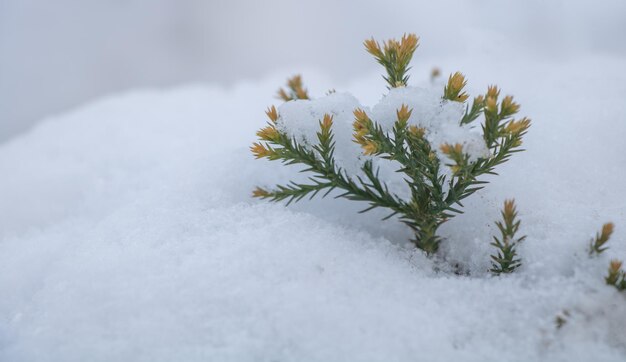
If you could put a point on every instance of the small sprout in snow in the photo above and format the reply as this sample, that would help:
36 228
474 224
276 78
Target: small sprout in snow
616 276
561 319
506 260
596 246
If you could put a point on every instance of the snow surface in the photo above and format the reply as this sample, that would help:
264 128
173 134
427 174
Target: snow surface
127 233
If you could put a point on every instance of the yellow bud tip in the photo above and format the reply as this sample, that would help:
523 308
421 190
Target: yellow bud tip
404 113
517 127
268 133
327 122
369 148
360 115
492 91
417 131
508 106
457 80
491 104
272 113
607 230
283 95
259 192
373 47
453 91
295 82
402 50
509 210
615 266
260 151
451 150
408 44
296 88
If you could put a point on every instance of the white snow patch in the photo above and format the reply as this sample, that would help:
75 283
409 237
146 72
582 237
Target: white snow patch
127 233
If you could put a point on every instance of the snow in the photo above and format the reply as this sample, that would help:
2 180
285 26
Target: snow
127 233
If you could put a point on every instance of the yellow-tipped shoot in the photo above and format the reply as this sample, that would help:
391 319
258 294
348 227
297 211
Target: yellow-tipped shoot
517 127
325 125
403 114
272 114
370 147
360 126
260 150
453 91
327 122
269 133
509 211
417 132
295 90
451 150
508 107
455 153
261 193
395 56
493 92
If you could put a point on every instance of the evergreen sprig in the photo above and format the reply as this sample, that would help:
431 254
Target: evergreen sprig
506 261
435 197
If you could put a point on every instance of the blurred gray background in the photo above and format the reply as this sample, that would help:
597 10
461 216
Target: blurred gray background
55 55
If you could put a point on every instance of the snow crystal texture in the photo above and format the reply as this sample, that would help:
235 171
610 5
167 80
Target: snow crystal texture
127 233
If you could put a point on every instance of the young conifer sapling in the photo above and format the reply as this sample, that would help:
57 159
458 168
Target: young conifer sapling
439 174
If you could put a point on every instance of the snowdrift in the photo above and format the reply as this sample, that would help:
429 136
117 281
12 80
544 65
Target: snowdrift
127 233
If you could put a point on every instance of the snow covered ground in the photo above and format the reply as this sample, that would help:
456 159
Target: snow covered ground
127 233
